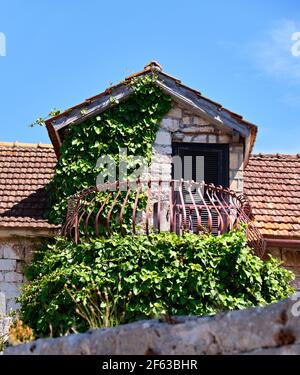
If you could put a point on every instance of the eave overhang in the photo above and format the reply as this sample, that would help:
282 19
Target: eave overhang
208 109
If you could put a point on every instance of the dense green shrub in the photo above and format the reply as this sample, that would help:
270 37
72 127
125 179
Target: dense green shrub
123 279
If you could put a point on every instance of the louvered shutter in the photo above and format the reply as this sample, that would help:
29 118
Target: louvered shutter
215 171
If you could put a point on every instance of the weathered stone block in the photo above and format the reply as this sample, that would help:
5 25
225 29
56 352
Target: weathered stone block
212 139
187 138
11 290
236 174
7 264
236 185
2 305
178 136
170 124
9 253
191 130
22 249
200 121
291 257
13 277
163 138
187 120
175 112
161 158
237 149
162 171
224 138
240 186
234 160
200 138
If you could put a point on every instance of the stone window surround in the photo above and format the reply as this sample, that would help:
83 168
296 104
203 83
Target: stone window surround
181 125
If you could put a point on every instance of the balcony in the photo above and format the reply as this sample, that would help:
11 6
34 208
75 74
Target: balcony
144 207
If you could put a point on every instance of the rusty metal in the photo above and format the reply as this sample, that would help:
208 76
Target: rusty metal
167 205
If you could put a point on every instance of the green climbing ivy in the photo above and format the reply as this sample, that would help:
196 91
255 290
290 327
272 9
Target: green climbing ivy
130 124
102 281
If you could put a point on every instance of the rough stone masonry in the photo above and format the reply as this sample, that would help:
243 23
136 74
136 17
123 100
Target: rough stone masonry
274 329
12 258
180 125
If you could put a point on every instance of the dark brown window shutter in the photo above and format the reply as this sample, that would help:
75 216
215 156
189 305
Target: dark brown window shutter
216 171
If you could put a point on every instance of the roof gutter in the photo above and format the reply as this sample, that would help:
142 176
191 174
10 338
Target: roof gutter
281 242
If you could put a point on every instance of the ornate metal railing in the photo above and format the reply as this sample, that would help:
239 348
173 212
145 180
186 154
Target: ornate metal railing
159 205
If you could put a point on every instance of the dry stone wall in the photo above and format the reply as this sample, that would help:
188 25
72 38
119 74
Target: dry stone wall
274 329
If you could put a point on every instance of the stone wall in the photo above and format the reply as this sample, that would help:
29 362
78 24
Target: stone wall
181 125
14 254
274 329
290 258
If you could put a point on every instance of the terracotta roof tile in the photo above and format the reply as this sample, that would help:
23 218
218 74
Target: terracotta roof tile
25 170
272 184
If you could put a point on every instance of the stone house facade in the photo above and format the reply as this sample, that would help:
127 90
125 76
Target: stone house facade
25 170
179 126
194 122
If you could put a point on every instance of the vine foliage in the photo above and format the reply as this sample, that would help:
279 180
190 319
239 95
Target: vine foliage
103 282
130 124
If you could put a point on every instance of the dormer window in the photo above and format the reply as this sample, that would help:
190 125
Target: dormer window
215 162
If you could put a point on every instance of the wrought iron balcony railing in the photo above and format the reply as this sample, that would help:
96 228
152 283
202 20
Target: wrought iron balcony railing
159 205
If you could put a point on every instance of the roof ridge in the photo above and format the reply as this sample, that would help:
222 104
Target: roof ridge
101 102
25 145
277 155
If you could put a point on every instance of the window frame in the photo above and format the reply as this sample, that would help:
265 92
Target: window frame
222 151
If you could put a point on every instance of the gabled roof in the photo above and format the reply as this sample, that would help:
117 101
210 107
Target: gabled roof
272 184
25 171
205 107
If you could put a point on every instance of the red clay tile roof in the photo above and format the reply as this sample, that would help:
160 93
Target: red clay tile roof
272 184
25 170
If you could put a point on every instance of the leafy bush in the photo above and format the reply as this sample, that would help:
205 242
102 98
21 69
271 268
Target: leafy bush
122 279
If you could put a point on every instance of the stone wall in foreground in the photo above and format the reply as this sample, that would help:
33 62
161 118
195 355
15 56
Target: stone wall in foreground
274 329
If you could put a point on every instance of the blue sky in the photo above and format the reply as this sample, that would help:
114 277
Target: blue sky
235 52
